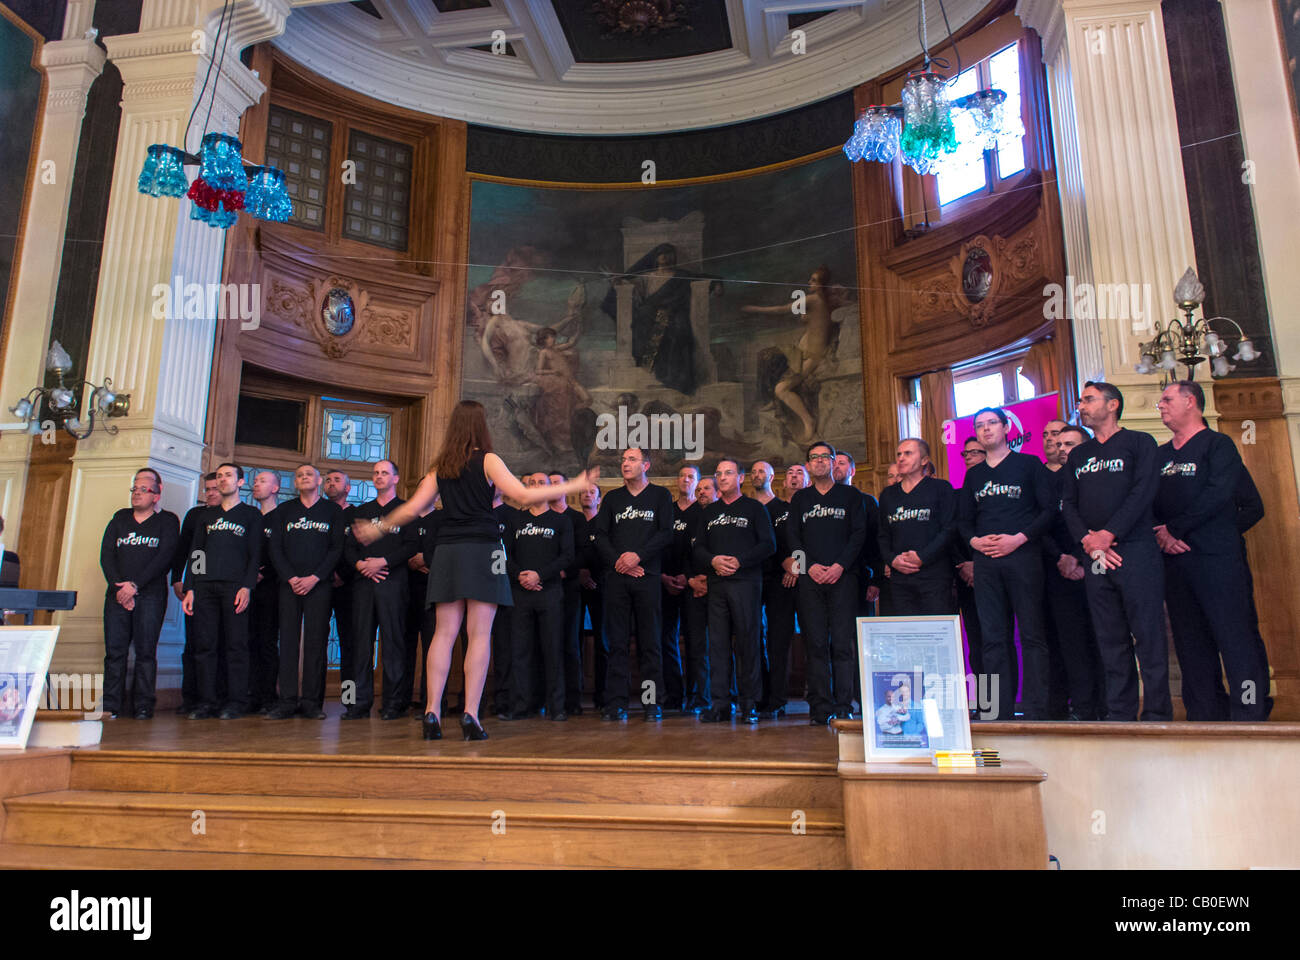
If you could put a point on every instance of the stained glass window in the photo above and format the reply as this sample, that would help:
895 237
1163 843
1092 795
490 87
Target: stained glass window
355 436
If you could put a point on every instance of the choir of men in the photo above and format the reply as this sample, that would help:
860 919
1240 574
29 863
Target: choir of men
1082 555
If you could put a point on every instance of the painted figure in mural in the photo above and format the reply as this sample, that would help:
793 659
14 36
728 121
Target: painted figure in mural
662 338
799 381
520 353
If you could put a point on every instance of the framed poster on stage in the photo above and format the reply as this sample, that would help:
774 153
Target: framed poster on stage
913 687
25 654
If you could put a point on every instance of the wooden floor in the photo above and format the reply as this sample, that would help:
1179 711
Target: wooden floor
372 793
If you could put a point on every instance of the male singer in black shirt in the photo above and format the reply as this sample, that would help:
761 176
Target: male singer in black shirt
918 516
337 485
824 534
570 583
733 538
219 581
778 588
1207 589
592 577
421 616
306 543
1064 567
633 528
503 677
1110 483
136 554
379 597
677 628
1005 506
189 675
264 614
539 546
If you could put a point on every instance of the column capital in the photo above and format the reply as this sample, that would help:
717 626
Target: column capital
71 66
1047 17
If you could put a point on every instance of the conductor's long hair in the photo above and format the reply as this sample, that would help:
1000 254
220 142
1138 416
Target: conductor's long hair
466 432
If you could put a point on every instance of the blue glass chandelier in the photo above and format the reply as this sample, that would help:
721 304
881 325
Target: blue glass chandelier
225 185
921 129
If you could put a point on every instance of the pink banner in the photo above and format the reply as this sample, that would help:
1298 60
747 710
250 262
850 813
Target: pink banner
1025 431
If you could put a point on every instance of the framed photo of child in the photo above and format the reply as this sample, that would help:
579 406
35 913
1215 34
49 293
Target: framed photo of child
914 685
25 654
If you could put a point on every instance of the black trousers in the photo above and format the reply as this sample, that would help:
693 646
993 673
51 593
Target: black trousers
734 630
671 636
694 637
911 597
382 605
218 628
1209 605
305 624
537 622
593 604
190 673
1127 607
1009 592
970 619
138 627
1075 645
778 636
828 623
633 603
341 602
571 639
263 644
503 678
420 623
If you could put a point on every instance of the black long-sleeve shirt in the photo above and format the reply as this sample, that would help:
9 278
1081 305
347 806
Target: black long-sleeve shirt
872 570
230 544
426 533
306 541
185 544
1110 486
740 529
1248 502
1196 490
923 520
1013 497
540 542
578 525
677 558
142 553
829 528
266 567
1058 539
395 547
641 524
778 511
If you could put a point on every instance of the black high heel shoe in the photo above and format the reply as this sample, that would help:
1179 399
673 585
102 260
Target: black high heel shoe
472 729
432 728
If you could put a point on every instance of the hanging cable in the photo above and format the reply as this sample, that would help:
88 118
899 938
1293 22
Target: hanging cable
185 140
225 40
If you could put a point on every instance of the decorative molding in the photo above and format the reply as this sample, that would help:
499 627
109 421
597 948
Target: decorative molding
1014 260
420 70
1249 398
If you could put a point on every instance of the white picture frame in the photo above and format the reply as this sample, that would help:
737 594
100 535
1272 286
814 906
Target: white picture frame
914 687
25 654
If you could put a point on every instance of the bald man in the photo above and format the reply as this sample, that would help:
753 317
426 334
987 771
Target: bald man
264 624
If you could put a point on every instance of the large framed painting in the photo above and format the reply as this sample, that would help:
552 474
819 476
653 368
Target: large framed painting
718 317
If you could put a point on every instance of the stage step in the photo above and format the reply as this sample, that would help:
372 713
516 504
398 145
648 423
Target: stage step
459 832
35 856
763 783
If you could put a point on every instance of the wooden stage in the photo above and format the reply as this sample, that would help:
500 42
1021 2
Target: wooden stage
257 793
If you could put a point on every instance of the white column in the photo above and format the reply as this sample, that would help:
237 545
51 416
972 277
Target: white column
164 365
1269 145
1119 162
71 66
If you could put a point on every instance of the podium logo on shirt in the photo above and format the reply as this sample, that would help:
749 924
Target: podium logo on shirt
135 540
225 526
820 511
534 530
632 513
728 520
679 526
991 489
921 514
302 523
1098 465
1174 469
